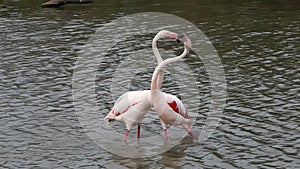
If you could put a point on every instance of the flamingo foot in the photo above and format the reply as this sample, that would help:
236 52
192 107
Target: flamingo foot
189 131
165 134
191 134
126 135
139 132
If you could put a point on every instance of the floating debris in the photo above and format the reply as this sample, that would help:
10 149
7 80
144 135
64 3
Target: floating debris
58 3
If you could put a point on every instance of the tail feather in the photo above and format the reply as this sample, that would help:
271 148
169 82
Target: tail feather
186 112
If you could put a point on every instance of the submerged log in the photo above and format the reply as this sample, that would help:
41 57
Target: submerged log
58 3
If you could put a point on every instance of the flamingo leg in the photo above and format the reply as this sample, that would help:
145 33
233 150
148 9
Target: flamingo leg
164 126
129 124
165 134
189 131
126 135
139 131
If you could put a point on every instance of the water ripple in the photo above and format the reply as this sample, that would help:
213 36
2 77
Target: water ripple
259 48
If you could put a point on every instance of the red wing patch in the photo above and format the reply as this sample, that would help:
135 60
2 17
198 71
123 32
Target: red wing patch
174 106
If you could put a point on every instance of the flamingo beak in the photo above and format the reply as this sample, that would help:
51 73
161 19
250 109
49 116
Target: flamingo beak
109 121
180 38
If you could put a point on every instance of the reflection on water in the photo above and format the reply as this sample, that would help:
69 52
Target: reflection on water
259 46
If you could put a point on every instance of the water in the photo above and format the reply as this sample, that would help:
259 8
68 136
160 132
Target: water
258 42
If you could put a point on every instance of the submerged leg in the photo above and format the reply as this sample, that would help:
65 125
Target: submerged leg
165 134
126 135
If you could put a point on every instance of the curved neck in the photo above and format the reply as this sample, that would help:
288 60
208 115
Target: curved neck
154 83
155 50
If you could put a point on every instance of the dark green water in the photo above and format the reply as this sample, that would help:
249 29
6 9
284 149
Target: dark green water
257 41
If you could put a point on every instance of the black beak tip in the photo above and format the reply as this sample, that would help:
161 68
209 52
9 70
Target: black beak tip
179 40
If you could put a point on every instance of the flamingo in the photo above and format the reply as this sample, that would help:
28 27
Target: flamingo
132 106
169 108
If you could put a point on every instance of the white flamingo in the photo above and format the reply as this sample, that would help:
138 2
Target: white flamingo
169 108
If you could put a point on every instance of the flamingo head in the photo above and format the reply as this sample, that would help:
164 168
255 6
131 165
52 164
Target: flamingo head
167 34
186 41
110 118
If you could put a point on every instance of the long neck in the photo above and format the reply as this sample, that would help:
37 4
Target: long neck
155 50
155 82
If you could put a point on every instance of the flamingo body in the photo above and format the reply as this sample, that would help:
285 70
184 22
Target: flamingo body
170 110
131 107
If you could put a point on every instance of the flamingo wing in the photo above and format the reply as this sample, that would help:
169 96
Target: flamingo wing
177 105
131 105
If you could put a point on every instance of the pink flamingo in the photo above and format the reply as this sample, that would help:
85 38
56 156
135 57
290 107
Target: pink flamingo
132 106
169 108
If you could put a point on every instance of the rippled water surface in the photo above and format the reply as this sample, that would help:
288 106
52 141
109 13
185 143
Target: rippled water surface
258 43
